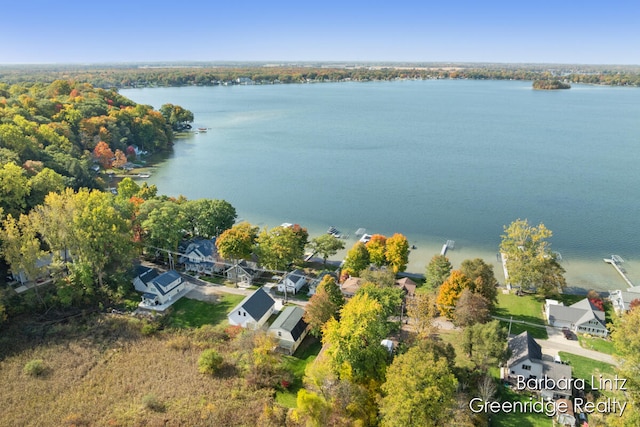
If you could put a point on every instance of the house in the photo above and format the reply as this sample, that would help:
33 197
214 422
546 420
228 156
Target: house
552 380
315 282
42 267
243 273
144 276
581 317
621 299
253 311
292 282
350 286
201 256
162 289
407 285
289 328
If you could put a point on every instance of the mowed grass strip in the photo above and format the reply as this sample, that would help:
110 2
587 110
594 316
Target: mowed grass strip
190 313
526 308
296 365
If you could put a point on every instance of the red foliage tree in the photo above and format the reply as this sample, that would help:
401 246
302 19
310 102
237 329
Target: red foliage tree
103 153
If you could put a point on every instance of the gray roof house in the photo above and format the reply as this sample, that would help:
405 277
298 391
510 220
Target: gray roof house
581 317
527 363
293 282
289 328
159 290
201 256
253 311
243 273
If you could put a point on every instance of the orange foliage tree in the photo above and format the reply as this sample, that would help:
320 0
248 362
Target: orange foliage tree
103 153
450 292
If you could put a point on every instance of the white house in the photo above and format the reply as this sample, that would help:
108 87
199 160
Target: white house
201 256
526 363
315 282
289 328
581 317
292 282
159 290
243 273
253 311
621 299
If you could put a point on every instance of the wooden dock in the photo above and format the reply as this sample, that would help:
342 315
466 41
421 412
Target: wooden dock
449 245
616 261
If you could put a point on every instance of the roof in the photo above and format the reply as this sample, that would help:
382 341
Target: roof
146 274
557 371
351 285
202 248
257 304
578 313
408 285
166 282
296 275
291 320
523 347
244 266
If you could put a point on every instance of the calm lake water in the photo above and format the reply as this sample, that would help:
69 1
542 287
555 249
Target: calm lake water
434 160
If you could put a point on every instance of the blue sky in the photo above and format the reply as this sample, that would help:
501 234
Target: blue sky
72 31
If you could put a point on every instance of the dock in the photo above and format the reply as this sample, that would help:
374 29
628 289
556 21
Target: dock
447 246
616 261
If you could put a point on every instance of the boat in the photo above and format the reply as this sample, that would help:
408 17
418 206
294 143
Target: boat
202 129
144 175
334 232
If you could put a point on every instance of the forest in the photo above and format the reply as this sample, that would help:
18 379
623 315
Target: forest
208 74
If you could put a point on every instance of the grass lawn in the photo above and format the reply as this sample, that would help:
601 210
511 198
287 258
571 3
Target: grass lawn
297 364
190 313
583 367
215 280
518 419
526 308
597 344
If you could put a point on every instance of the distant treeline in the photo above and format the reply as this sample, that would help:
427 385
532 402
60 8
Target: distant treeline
129 75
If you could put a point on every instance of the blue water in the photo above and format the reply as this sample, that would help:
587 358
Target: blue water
434 160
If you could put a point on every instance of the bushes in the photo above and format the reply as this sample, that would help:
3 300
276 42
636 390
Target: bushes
209 361
150 401
34 368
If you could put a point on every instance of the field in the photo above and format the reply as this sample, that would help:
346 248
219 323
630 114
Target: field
108 369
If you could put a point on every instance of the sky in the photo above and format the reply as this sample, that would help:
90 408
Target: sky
88 32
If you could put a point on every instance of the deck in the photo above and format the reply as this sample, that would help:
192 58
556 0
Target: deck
616 262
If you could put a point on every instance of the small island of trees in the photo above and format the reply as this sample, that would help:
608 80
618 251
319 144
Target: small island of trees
550 85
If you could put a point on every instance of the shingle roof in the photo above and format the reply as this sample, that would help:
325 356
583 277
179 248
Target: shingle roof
291 320
146 274
257 304
523 347
166 282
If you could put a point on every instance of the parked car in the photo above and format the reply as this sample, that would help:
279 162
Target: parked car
569 334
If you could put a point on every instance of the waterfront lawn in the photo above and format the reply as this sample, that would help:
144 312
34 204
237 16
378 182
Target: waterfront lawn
526 308
296 365
190 313
597 344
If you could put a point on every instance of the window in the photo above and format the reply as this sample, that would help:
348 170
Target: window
244 313
526 367
279 333
239 313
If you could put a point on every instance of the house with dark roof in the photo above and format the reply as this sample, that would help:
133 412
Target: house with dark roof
293 282
201 256
315 282
289 328
253 311
581 317
243 273
527 363
159 289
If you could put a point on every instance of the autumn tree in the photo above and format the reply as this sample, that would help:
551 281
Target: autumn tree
326 245
237 242
377 247
357 259
421 309
164 225
103 154
529 259
328 284
398 252
419 390
482 278
279 247
14 189
120 159
353 343
450 292
471 308
20 246
389 297
438 270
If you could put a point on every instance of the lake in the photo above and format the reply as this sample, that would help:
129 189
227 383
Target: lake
434 160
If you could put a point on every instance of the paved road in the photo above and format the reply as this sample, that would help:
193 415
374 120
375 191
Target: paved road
557 342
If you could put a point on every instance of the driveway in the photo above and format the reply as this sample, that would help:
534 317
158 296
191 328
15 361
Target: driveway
557 342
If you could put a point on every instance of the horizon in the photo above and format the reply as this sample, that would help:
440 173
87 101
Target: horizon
42 33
